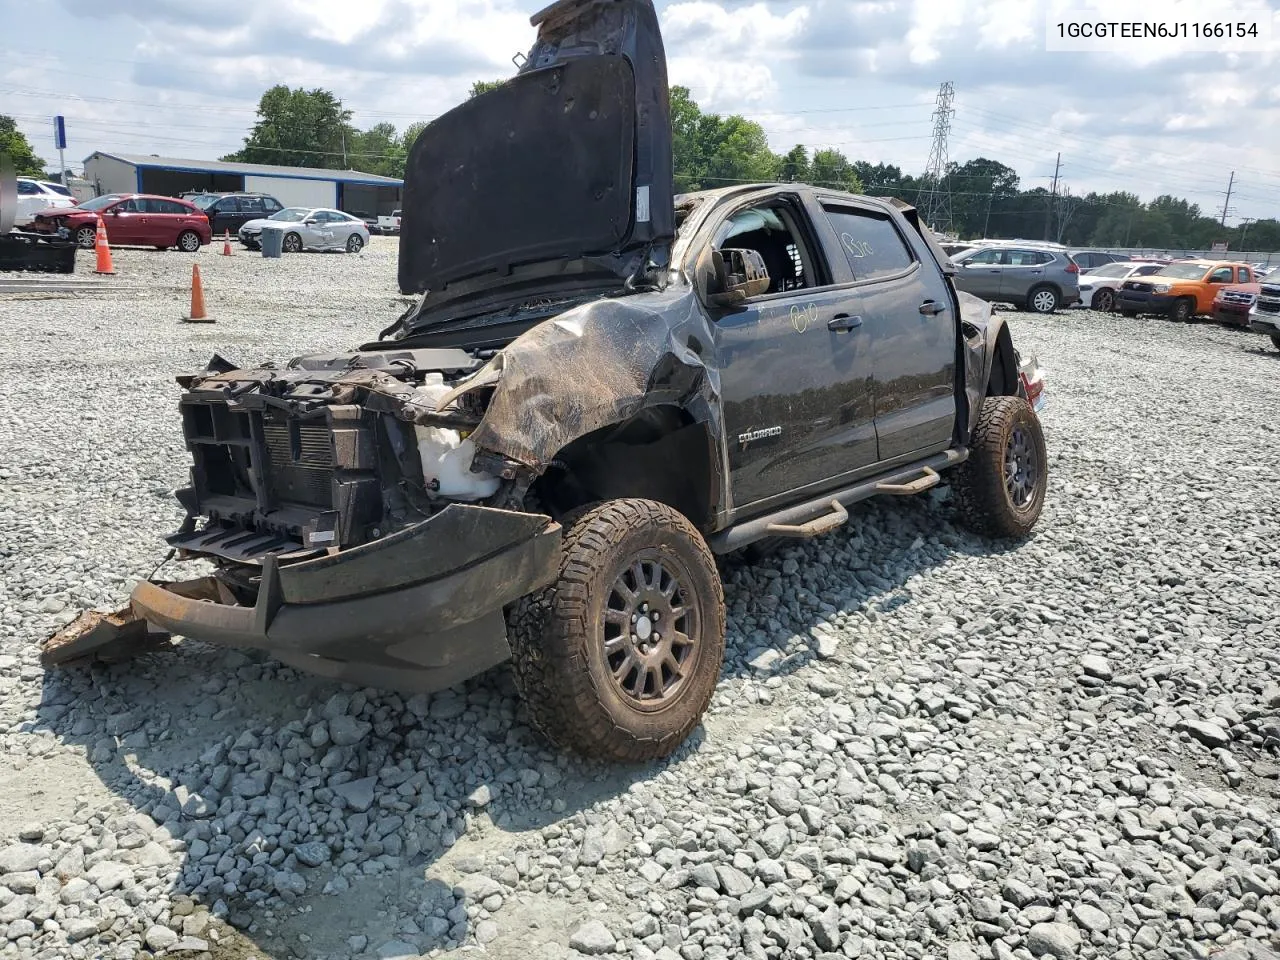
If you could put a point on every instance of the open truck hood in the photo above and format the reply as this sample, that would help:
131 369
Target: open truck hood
561 177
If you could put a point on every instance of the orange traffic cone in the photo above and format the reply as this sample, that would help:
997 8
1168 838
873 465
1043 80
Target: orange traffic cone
102 250
198 314
226 244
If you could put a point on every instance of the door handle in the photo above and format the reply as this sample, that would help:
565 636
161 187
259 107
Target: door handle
931 308
842 323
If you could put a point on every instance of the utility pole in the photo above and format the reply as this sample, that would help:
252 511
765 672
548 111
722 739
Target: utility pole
934 200
1227 203
1244 230
1053 198
987 222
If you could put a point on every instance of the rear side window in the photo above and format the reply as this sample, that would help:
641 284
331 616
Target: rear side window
228 205
871 243
1024 258
166 206
1246 276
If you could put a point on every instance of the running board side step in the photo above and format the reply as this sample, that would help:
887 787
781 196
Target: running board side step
927 480
828 512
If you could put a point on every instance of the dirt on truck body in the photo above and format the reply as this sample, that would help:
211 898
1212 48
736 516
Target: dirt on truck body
602 385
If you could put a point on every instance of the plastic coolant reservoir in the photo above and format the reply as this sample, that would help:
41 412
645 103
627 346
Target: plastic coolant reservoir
446 457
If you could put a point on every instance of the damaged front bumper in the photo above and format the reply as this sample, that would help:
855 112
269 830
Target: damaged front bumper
419 610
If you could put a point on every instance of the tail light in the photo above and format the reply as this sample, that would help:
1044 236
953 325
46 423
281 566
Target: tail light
1034 388
1073 267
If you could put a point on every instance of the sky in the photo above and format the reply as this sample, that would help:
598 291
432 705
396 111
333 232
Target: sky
181 79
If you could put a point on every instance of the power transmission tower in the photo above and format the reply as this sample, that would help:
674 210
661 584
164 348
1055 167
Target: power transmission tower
1053 199
934 200
1227 203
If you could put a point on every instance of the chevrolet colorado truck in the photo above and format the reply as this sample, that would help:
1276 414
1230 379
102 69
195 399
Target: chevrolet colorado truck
602 386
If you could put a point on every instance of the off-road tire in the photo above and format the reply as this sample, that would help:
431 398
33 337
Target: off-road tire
1275 340
1184 311
1104 300
1037 302
983 498
558 635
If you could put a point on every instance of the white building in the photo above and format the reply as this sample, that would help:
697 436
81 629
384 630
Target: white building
348 190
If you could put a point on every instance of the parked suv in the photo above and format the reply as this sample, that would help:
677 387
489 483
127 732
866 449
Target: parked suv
229 212
1090 260
602 386
1264 315
1040 277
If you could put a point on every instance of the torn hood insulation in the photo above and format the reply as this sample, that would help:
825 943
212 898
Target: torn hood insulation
564 172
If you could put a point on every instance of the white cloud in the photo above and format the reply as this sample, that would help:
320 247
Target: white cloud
175 78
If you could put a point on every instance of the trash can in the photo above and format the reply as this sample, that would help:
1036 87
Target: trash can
272 240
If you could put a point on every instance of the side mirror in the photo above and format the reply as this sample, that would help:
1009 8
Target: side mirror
733 276
115 211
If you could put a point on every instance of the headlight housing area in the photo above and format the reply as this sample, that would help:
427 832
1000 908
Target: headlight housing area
1162 288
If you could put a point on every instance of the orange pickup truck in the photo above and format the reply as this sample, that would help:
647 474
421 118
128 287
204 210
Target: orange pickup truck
1181 290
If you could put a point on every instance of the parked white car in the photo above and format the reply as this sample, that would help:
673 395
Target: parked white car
310 228
1098 289
37 195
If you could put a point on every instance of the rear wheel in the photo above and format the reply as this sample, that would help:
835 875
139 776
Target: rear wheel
1042 300
1000 489
1183 310
189 241
86 237
292 243
618 658
1104 300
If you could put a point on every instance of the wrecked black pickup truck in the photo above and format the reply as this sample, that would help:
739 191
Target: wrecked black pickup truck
602 386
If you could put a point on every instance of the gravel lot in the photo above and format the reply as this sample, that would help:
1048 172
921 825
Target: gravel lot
920 748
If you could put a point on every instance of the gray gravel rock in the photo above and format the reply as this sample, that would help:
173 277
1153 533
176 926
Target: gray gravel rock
592 938
1059 940
921 745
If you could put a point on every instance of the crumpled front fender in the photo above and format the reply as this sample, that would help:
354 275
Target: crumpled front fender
593 366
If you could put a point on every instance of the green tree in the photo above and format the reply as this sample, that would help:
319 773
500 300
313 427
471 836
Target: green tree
300 128
885 180
795 165
980 190
14 143
483 86
831 168
380 150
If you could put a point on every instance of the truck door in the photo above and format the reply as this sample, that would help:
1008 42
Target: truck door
908 325
795 374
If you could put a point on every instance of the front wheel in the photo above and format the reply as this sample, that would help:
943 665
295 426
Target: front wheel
619 658
1000 489
1042 300
1104 300
292 243
189 241
355 243
1182 312
86 237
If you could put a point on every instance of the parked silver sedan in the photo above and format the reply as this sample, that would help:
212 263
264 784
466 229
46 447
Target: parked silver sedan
310 228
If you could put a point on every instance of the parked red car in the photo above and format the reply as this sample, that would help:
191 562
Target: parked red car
132 219
1232 304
